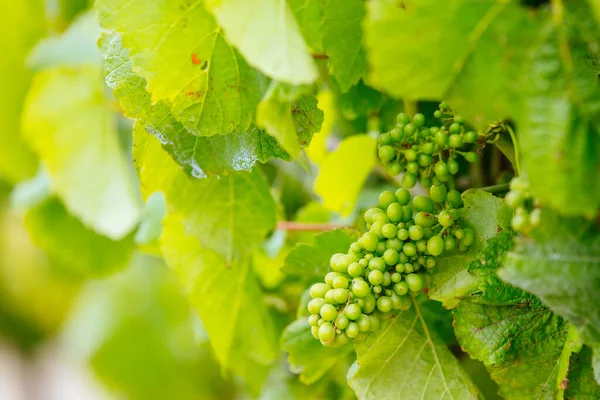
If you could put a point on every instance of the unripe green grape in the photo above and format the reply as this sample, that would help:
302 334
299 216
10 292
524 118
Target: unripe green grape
471 156
444 105
409 249
414 282
369 257
519 222
328 312
335 259
407 213
387 279
326 332
420 261
356 247
340 340
470 137
396 277
342 322
415 232
438 193
364 323
428 148
454 199
369 304
376 289
386 153
409 129
459 120
440 138
360 288
535 217
441 169
384 304
445 219
318 290
401 288
330 277
340 295
389 231
435 245
426 181
424 219
412 167
435 181
352 312
352 330
390 256
314 306
340 282
396 301
469 237
359 302
459 233
409 180
370 213
424 160
363 262
454 129
430 262
514 198
403 118
375 277
403 234
386 198
438 114
397 133
329 297
427 232
418 120
313 320
355 269
449 243
403 196
453 166
393 244
377 264
381 217
314 330
394 212
410 155
384 139
421 246
423 203
399 268
376 229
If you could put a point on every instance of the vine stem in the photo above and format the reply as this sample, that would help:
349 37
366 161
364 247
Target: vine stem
502 187
311 227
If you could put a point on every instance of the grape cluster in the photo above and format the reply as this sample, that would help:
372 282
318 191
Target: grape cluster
527 210
387 264
425 151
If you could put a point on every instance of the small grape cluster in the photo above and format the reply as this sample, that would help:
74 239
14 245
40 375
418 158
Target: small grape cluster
527 210
387 264
425 151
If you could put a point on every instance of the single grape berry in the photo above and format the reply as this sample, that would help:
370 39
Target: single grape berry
449 243
386 153
352 330
471 156
403 196
424 219
389 230
455 129
415 232
423 203
386 198
355 270
435 245
394 168
411 155
441 169
438 193
453 166
454 199
364 323
326 332
384 304
352 312
441 138
470 137
318 290
360 288
384 139
369 241
328 312
409 180
314 306
418 120
445 219
390 256
455 141
403 118
401 288
415 282
438 114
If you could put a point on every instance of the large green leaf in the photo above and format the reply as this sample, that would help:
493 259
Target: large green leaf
200 156
74 135
344 171
466 46
307 356
404 359
78 250
309 14
561 265
267 35
21 25
559 121
342 39
181 52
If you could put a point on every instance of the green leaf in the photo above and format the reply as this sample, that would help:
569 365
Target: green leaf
151 222
187 61
21 25
560 264
227 297
404 359
559 123
344 171
289 117
310 262
307 356
73 137
199 156
342 39
267 35
309 14
466 46
78 250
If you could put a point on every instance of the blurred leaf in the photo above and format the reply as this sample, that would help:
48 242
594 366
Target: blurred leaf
361 101
317 150
32 192
311 261
77 46
268 268
342 38
560 264
405 359
73 136
79 251
307 356
186 60
467 45
267 35
199 156
559 120
309 14
151 222
344 171
21 25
